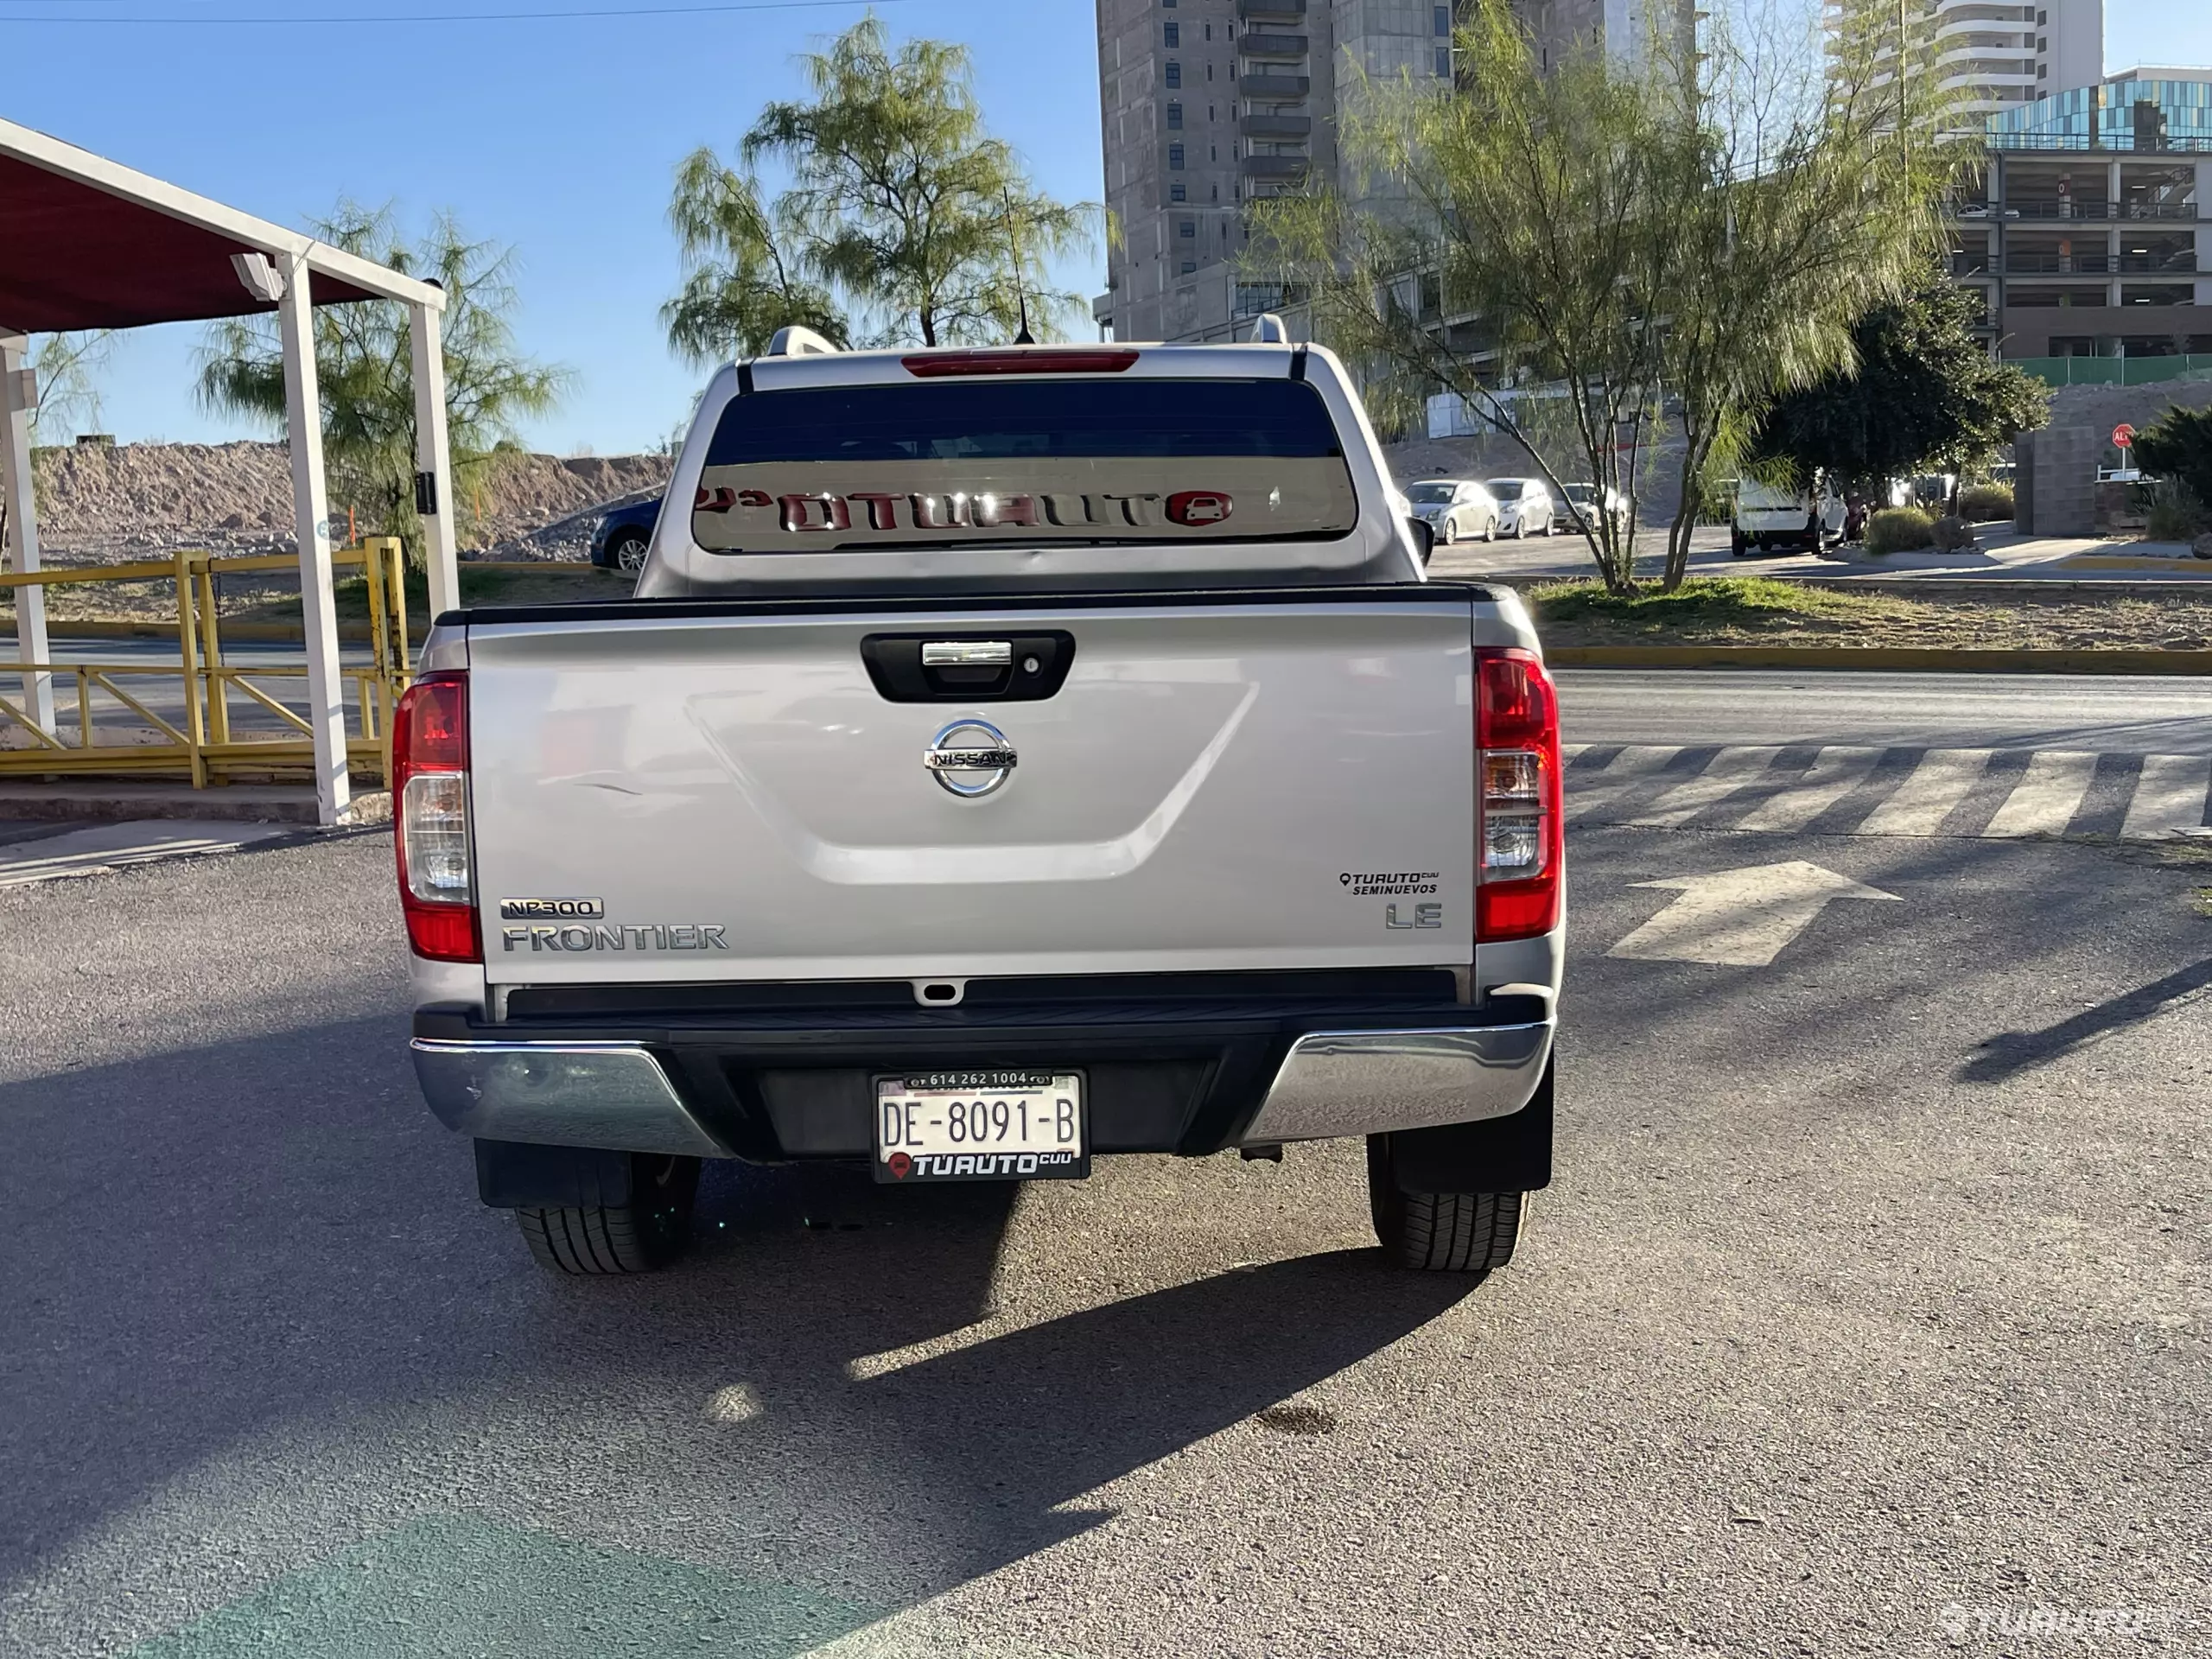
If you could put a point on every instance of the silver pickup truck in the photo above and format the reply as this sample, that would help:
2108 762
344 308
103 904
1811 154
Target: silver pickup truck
1014 756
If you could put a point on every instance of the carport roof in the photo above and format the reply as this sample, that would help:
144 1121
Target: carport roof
85 243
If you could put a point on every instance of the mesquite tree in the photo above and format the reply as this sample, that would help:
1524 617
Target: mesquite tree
365 371
905 222
1621 250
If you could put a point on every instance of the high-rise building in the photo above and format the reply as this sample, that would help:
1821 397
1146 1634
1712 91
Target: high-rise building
1211 104
1987 57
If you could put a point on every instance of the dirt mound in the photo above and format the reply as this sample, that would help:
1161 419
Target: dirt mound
103 503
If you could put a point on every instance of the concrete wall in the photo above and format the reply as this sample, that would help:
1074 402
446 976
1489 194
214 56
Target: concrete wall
2054 487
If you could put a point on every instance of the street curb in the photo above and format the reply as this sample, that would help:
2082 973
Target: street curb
370 808
2126 562
1913 660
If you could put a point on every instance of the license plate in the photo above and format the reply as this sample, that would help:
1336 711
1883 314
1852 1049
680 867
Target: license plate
981 1126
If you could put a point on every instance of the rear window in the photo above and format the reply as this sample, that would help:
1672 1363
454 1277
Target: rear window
1022 462
1765 497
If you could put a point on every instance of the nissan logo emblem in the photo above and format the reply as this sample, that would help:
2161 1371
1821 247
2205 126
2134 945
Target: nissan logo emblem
970 759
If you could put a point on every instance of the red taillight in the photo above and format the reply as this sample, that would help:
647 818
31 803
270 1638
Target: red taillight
429 818
1021 359
1520 842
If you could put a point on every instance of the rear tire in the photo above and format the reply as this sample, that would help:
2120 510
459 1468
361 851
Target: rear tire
1441 1232
626 550
640 1237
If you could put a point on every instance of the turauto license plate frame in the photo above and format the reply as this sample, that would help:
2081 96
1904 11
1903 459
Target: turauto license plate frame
922 1151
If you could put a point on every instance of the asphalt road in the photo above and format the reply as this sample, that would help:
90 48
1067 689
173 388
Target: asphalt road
2103 713
1867 1315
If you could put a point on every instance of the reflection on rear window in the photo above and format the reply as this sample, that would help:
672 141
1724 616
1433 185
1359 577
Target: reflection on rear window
1023 461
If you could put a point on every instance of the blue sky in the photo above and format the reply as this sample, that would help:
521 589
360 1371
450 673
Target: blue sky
556 136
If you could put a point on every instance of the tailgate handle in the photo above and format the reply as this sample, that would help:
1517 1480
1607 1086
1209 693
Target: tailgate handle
931 668
967 653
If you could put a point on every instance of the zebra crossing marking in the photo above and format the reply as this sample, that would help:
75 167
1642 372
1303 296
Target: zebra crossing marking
2169 796
1647 787
1833 775
1726 773
2047 796
1942 779
1629 769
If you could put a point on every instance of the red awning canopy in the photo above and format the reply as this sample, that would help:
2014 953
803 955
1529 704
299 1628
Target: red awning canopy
87 243
74 256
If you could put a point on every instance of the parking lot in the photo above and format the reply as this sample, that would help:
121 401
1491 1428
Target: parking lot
1867 1315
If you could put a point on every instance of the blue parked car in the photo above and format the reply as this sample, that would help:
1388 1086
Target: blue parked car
620 542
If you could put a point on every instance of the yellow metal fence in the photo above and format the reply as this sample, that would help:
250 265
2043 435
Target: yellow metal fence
232 721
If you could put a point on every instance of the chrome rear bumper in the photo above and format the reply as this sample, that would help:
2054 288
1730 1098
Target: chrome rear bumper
1338 1083
614 1096
619 1096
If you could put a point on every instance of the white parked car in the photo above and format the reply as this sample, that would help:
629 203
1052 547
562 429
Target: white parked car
1455 509
1579 506
1767 518
1524 505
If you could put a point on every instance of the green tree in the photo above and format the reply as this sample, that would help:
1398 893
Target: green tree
367 384
1688 236
1924 396
1812 193
739 287
902 210
66 368
1526 202
2178 445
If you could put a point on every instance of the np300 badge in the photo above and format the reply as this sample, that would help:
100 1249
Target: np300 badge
970 759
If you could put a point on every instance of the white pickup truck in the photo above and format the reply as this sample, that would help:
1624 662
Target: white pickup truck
1014 756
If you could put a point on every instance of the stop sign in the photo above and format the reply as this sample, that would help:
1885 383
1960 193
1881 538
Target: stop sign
2123 436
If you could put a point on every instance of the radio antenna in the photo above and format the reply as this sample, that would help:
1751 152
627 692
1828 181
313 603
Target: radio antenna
1020 293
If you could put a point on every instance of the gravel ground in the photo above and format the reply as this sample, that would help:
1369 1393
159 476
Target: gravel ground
106 503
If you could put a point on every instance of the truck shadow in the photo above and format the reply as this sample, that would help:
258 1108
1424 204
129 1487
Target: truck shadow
260 1265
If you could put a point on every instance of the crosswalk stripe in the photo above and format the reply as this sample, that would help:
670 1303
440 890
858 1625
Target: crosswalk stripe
1726 773
1647 787
2169 796
1626 772
1833 774
2047 796
1939 783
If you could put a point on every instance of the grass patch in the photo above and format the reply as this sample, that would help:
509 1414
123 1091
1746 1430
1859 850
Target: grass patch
1706 604
1767 611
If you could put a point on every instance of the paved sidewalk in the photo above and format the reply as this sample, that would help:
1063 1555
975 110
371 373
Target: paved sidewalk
100 848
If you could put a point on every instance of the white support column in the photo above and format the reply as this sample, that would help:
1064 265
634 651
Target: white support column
311 512
22 528
431 456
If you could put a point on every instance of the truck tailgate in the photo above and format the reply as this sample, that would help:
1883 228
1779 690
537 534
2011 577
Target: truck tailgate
666 793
